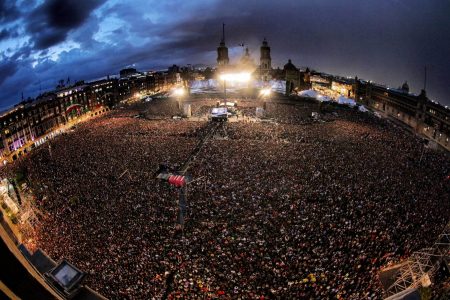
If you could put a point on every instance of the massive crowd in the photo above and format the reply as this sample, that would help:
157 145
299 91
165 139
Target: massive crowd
285 209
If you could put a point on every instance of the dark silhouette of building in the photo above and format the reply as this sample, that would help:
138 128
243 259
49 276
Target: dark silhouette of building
416 112
222 51
405 87
265 61
292 77
127 72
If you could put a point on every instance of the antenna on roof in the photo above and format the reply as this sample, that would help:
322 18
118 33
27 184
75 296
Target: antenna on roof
425 79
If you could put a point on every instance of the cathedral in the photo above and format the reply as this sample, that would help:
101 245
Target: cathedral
246 63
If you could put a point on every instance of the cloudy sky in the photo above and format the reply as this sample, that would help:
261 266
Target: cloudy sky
387 41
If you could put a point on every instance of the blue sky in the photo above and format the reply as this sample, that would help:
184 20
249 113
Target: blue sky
388 41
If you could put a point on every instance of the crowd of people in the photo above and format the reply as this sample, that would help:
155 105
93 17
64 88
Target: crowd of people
279 210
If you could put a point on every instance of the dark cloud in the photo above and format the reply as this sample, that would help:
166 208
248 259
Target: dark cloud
84 34
50 22
8 11
7 33
49 37
68 14
13 86
7 69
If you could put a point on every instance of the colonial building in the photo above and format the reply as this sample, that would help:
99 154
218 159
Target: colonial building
417 112
292 76
15 126
75 100
104 92
31 122
27 121
295 79
44 114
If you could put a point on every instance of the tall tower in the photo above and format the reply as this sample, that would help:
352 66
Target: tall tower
222 51
265 66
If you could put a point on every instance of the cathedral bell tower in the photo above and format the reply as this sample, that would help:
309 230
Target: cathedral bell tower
222 51
265 66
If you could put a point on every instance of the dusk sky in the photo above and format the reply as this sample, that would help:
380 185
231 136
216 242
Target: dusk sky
387 41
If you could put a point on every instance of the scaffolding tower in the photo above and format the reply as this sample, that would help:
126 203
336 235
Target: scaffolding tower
419 269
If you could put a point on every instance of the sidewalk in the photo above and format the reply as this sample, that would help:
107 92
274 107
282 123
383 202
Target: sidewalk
12 228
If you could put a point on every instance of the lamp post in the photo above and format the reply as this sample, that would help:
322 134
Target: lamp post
225 87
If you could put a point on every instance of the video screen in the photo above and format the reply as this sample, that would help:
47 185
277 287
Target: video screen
218 111
66 275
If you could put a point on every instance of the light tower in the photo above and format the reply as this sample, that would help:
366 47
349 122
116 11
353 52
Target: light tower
265 66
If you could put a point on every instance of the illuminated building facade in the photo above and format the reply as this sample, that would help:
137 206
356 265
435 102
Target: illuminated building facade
27 121
24 126
342 88
416 112
78 95
103 93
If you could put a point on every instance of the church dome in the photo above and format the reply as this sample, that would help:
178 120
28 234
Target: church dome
290 66
405 87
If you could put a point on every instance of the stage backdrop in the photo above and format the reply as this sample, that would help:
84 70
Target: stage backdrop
213 86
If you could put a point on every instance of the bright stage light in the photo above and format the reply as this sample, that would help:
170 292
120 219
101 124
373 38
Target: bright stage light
235 77
265 92
178 92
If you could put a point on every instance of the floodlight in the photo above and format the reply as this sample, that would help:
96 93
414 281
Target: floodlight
178 92
265 92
